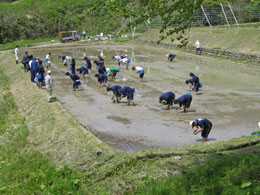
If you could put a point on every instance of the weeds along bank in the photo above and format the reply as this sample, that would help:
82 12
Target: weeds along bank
38 138
52 130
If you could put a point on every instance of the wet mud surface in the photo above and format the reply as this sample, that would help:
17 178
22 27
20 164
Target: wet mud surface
230 97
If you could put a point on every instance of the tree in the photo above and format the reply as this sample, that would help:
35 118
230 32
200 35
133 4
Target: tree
176 15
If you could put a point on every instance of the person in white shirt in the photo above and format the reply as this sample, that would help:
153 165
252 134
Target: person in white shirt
140 71
17 53
67 60
126 62
197 45
48 83
47 59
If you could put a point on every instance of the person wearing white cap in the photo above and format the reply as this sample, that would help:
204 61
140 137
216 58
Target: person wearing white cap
205 127
48 82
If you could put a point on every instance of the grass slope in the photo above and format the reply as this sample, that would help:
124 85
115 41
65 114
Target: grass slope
242 40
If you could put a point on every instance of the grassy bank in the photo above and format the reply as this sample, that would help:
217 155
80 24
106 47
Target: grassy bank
23 171
238 40
55 148
24 43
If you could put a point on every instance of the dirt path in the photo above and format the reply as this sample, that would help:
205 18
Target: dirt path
230 98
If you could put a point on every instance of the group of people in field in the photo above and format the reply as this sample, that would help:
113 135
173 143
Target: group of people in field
37 75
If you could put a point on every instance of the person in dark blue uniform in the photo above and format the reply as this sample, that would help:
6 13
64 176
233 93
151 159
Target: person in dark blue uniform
171 56
184 101
76 80
116 93
101 59
167 99
34 69
88 63
82 71
205 127
101 79
99 63
195 83
73 66
129 93
40 75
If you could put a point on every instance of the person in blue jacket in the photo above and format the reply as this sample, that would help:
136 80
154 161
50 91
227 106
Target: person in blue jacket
82 71
184 102
129 93
171 56
40 75
116 93
101 79
205 127
88 63
76 80
167 99
195 83
34 69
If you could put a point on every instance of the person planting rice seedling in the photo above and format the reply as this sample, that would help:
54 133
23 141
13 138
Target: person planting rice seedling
66 60
195 83
75 80
126 62
171 56
167 99
129 93
118 59
140 71
82 71
184 102
116 93
101 59
205 127
112 71
101 79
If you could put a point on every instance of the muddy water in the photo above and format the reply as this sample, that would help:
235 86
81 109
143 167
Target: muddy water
230 97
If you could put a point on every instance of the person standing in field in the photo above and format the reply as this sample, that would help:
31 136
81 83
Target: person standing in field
197 45
17 53
88 63
205 127
84 34
40 75
24 61
47 59
48 82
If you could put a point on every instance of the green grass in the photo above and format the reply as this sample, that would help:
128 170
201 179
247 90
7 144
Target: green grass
121 39
23 172
236 40
229 174
24 43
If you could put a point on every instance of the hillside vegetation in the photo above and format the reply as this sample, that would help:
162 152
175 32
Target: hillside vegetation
33 19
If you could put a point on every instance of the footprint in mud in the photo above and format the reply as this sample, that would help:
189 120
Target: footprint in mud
124 121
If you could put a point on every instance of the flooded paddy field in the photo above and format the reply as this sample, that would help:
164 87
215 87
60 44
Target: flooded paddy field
230 97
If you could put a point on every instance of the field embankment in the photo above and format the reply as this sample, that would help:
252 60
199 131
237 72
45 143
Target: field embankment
33 130
220 40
